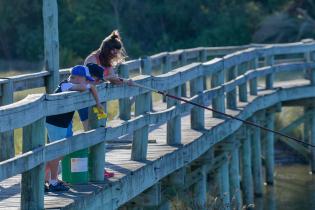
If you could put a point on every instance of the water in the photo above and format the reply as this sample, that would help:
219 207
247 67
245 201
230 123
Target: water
294 189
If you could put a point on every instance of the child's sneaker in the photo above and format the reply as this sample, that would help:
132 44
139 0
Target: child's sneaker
108 174
46 187
60 186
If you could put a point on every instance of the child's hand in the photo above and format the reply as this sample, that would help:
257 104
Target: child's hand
129 82
99 107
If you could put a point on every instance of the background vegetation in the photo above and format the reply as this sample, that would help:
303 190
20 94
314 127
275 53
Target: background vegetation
151 26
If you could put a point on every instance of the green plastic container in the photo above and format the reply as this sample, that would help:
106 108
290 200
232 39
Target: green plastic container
75 167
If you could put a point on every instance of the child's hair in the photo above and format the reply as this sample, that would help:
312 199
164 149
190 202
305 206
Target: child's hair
113 41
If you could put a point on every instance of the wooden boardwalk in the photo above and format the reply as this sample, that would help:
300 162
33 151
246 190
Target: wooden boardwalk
133 173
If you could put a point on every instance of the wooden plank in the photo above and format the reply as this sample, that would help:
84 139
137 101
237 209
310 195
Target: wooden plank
270 77
32 191
51 43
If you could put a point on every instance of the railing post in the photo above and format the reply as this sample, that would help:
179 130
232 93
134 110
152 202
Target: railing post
200 190
140 136
146 69
174 125
32 184
124 104
270 120
183 62
257 163
312 59
270 77
202 59
197 116
97 152
247 177
166 67
218 102
6 138
253 65
51 43
242 68
231 101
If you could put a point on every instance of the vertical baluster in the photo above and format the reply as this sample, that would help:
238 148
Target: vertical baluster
270 77
218 103
174 125
253 65
231 96
242 68
125 103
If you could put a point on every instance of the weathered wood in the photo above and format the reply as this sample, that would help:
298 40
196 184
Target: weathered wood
6 138
256 155
218 103
149 198
269 147
140 136
203 58
234 176
174 125
197 114
183 62
241 69
313 140
166 67
51 43
146 69
247 177
270 77
253 65
124 104
231 99
200 190
32 191
97 152
224 187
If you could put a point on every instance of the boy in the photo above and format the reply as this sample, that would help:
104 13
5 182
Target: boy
57 124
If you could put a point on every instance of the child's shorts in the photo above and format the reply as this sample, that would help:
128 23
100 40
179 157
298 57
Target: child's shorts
55 133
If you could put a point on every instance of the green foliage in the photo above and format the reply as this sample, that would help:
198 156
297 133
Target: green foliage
147 27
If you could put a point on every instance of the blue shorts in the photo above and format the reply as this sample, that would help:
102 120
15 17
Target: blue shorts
55 133
84 113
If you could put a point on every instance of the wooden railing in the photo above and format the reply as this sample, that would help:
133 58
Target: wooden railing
229 75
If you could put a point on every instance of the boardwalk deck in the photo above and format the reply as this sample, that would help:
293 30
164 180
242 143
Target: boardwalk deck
129 172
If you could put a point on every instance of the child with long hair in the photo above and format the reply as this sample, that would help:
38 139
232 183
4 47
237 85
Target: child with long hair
110 54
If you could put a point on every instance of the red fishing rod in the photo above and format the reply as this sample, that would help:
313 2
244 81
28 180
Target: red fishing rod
221 113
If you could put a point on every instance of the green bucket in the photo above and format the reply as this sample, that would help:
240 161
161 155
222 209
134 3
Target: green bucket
75 167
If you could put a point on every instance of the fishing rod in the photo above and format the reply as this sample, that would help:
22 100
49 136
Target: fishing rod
219 112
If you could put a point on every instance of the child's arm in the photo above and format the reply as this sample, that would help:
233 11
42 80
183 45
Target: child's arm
79 87
95 96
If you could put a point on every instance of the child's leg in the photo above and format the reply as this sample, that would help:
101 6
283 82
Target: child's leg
53 165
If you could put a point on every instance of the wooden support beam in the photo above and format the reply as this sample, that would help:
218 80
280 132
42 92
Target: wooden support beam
125 103
269 148
149 198
218 103
140 136
247 177
197 116
235 190
269 61
174 125
32 184
51 44
312 141
231 99
97 152
242 68
200 189
224 187
257 164
6 138
183 62
253 65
